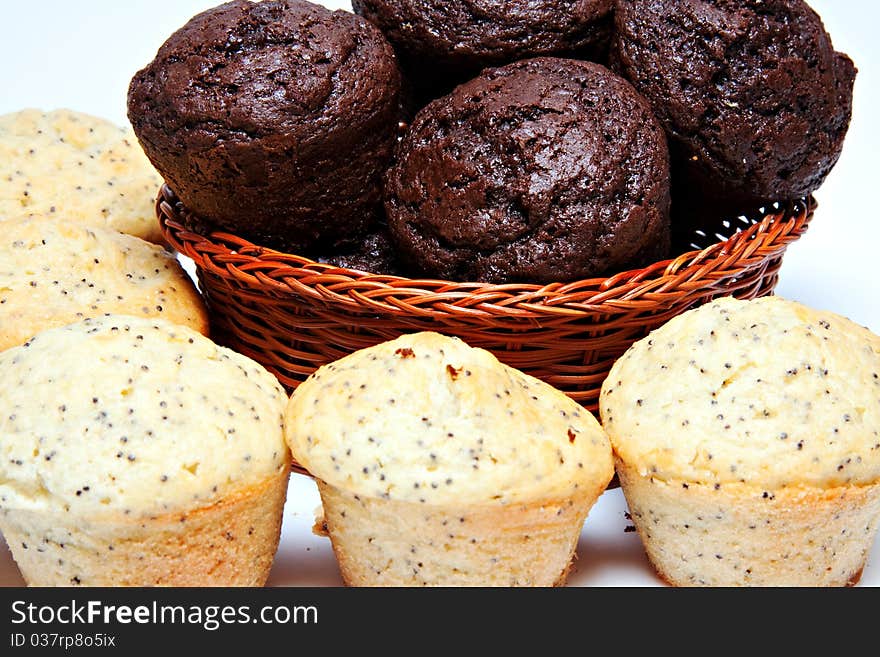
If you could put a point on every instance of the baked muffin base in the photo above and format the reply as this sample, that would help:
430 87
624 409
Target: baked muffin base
230 543
741 535
381 542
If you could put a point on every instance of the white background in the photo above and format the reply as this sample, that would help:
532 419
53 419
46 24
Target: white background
81 54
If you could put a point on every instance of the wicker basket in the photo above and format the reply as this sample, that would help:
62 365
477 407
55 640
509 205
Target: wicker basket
293 315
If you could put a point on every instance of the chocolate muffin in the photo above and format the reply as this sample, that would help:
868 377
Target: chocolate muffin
273 120
441 44
543 170
374 254
754 98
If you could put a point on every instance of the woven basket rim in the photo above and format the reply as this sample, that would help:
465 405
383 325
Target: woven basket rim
280 273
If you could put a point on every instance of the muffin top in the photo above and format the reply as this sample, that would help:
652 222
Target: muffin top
76 166
766 392
54 272
427 419
539 171
274 120
133 416
468 36
754 97
283 69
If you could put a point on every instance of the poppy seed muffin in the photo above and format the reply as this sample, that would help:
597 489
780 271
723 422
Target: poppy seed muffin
274 120
543 170
54 272
438 465
136 452
747 442
441 44
754 98
82 168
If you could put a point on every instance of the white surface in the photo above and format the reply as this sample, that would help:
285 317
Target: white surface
82 54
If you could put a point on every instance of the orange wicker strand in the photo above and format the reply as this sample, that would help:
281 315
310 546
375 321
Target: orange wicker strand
293 315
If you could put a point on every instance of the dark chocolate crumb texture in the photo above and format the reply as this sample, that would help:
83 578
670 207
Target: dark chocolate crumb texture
374 254
542 170
441 44
274 120
754 98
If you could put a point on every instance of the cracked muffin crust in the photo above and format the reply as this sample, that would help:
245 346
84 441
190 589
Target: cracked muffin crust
542 170
274 120
441 44
136 452
439 465
87 272
754 98
747 442
82 168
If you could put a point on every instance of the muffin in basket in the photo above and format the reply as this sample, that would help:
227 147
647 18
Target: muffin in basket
56 271
754 98
138 453
441 44
274 120
747 442
545 170
438 465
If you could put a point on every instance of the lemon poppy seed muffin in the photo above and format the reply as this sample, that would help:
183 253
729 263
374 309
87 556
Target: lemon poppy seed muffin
54 272
438 465
83 168
136 452
747 441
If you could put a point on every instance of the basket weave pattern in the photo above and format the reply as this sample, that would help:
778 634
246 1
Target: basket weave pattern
293 315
